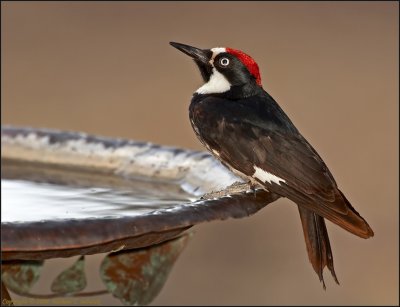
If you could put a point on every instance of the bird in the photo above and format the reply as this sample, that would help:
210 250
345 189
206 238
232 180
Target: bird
249 133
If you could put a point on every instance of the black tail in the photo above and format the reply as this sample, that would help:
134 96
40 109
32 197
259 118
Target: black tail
317 242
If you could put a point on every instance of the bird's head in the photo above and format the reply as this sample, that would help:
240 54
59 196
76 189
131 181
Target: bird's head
225 70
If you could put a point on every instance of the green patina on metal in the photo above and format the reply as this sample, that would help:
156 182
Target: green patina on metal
21 276
72 279
137 276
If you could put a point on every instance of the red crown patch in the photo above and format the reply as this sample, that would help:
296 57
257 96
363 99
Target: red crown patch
248 62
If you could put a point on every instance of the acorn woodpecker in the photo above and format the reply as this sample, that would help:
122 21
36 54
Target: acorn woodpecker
245 129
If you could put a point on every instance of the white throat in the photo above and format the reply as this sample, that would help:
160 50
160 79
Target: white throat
217 84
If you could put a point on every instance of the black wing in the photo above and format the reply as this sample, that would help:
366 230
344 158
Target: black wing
253 133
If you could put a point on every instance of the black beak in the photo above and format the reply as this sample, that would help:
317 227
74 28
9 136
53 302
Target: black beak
199 55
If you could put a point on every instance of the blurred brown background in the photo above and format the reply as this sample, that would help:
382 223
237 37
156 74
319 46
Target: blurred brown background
106 68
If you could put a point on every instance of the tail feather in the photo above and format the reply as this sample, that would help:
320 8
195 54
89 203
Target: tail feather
359 225
317 243
351 220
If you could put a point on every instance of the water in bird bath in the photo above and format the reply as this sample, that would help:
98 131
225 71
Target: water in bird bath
29 201
31 194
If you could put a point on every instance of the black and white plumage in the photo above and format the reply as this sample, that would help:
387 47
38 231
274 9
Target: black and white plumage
244 127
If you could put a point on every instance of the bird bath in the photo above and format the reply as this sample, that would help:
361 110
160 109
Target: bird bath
71 194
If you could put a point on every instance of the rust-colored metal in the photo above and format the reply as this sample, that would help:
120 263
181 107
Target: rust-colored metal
137 276
62 251
5 296
74 237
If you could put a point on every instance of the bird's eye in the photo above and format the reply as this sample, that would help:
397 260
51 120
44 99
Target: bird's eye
224 61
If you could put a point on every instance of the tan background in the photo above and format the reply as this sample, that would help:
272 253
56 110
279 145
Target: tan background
106 68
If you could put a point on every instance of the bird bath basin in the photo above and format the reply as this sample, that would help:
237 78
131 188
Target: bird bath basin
70 194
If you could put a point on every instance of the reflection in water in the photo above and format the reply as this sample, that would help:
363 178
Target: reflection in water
27 201
38 193
135 277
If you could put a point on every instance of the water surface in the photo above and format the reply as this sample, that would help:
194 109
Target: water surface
31 193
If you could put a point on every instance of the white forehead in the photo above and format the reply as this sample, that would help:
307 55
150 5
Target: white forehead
215 52
218 50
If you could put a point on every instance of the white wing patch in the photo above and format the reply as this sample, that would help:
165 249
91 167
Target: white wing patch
217 84
264 176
